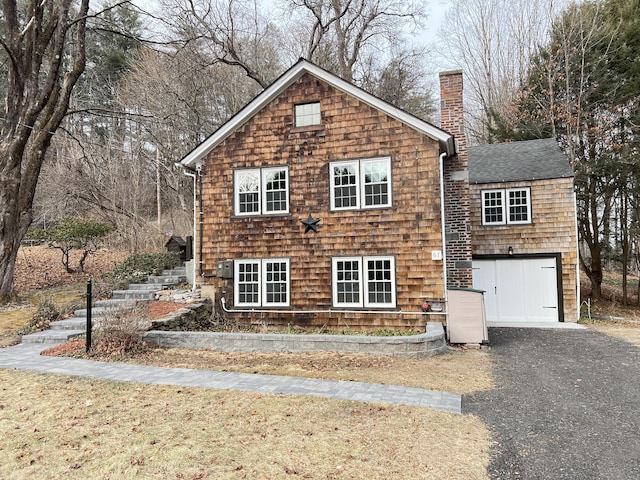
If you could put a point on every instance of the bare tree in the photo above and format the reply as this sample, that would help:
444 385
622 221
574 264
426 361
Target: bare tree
43 45
493 41
230 32
341 35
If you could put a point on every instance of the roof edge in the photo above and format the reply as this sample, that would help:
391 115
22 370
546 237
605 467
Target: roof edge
301 67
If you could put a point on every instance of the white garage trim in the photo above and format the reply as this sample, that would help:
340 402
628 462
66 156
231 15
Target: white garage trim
520 289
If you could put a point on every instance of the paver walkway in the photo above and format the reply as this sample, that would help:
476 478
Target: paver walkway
27 357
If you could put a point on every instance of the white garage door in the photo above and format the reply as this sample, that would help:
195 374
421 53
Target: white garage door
518 289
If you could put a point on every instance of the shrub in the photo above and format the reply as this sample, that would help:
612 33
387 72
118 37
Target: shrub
134 269
137 267
46 313
120 333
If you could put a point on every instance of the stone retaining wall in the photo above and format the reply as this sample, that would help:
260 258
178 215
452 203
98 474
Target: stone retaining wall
431 342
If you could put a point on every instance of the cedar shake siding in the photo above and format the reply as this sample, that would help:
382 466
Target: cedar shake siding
541 167
456 174
407 231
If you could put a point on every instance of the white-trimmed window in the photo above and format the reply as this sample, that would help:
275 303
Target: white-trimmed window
308 114
509 206
368 282
359 184
262 282
261 191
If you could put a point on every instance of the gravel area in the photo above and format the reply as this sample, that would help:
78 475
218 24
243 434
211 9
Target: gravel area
566 405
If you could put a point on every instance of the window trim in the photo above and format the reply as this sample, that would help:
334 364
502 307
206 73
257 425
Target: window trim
505 206
360 184
363 282
262 192
509 206
262 282
334 282
263 185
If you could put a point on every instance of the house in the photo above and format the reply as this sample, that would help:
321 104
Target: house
524 241
322 205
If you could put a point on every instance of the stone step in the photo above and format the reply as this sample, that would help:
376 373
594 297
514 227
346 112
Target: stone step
101 311
52 336
143 286
175 271
167 279
133 294
73 323
115 303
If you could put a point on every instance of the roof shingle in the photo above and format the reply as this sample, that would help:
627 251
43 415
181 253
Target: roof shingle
518 161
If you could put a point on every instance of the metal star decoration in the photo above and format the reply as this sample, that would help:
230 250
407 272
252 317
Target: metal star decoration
311 224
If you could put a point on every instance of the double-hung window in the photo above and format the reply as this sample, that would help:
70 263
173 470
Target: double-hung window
261 282
360 184
506 206
261 191
368 282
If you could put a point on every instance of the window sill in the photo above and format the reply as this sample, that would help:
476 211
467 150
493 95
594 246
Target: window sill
307 128
263 216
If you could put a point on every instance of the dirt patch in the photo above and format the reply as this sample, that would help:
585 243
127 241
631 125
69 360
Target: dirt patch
40 267
157 309
71 347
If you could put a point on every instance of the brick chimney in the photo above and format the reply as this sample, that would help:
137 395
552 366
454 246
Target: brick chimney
456 180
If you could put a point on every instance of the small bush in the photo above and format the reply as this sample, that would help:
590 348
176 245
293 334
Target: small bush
46 313
120 333
136 268
71 307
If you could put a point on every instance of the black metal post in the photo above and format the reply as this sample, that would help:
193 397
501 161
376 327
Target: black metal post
88 343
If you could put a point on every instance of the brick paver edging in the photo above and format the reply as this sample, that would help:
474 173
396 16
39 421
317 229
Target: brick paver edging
431 342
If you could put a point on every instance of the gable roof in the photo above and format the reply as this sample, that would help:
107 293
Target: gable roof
290 76
518 161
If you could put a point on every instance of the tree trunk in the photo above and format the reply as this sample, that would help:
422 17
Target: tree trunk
45 57
10 245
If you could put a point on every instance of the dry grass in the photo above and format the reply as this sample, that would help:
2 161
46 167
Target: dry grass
82 428
459 371
629 331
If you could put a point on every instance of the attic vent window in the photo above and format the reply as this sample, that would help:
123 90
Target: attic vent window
308 114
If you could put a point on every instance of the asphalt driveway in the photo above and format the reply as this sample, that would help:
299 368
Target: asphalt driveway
566 405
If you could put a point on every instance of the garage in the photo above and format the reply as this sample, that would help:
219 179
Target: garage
519 290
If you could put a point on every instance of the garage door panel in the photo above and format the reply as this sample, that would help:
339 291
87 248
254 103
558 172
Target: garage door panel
542 296
484 278
510 294
518 289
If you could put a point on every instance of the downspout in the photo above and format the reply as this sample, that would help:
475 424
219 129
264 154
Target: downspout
201 224
575 203
444 241
194 176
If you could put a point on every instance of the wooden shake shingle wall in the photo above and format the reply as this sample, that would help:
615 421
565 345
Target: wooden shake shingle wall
541 167
408 230
324 202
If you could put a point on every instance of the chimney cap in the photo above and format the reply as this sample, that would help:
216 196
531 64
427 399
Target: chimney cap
450 72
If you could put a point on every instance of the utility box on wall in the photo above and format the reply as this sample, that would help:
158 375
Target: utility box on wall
224 269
